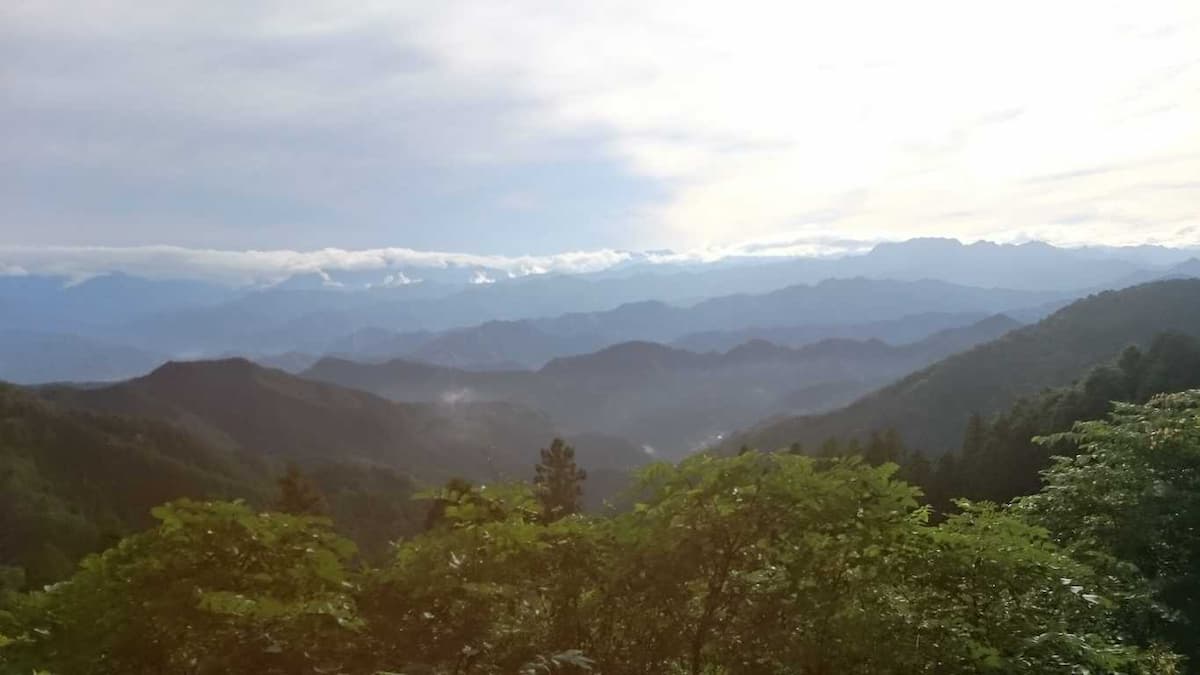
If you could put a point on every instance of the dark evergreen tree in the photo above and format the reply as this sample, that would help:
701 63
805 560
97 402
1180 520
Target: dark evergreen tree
558 481
1130 362
884 447
832 447
973 436
299 496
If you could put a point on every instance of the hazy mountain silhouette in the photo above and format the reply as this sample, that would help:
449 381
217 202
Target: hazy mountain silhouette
28 357
930 407
238 404
895 331
667 398
446 320
800 314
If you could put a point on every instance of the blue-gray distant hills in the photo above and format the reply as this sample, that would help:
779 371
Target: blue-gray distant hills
831 308
668 399
529 320
930 407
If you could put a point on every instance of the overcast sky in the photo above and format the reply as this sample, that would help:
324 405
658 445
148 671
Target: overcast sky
533 128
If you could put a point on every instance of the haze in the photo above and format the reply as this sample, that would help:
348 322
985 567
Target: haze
535 129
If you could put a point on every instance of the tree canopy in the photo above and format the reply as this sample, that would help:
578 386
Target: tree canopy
759 563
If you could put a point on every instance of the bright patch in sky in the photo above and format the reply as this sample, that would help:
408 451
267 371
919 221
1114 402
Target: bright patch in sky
538 127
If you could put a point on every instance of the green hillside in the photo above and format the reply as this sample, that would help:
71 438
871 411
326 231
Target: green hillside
238 404
73 481
930 408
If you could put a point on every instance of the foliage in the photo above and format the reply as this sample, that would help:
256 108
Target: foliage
558 481
68 487
215 588
298 495
1132 498
999 459
931 407
755 564
65 487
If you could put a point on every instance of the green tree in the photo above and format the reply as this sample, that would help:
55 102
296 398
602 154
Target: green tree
773 564
831 447
973 437
452 493
558 481
214 588
298 495
1130 500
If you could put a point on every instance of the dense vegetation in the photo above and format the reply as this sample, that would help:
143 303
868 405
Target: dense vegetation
242 406
73 482
296 554
930 408
1129 503
65 480
999 458
776 563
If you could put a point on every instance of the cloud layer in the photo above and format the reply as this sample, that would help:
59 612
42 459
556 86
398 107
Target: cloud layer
548 126
268 267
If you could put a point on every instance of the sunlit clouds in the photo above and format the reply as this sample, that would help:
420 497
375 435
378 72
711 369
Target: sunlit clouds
546 127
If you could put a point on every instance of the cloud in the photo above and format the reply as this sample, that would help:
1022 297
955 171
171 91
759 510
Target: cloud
864 120
453 397
481 278
401 266
397 280
761 118
267 267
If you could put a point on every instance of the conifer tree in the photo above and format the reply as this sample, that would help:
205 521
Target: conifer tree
973 438
558 481
832 447
299 496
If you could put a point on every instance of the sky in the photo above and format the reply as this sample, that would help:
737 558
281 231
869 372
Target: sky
549 133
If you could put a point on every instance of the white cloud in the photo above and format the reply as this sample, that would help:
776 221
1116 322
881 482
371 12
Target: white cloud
453 397
266 267
397 280
1072 121
481 278
867 118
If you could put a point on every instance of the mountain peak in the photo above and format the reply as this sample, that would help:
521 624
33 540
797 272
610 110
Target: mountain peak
230 367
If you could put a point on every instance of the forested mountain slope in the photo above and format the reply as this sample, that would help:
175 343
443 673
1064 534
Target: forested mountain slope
259 410
663 397
999 458
72 481
930 408
82 467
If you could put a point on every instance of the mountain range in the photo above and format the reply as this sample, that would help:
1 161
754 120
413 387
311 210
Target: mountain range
445 319
930 407
244 407
664 398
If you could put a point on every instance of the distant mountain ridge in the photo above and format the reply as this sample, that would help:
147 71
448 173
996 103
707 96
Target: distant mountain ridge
28 357
529 320
661 396
801 313
909 328
930 408
235 403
